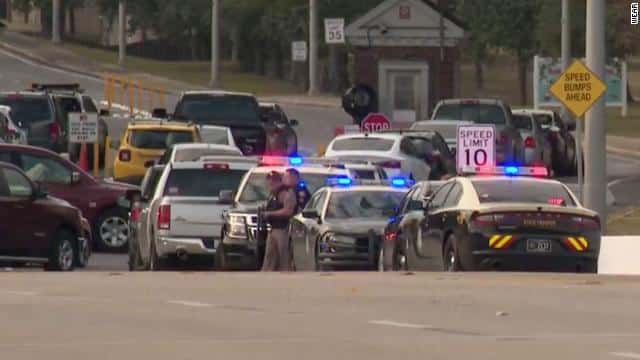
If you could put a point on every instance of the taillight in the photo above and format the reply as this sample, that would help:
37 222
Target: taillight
390 236
134 216
529 142
54 131
390 164
482 221
164 217
586 223
124 155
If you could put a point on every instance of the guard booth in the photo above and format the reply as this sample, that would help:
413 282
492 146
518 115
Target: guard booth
408 52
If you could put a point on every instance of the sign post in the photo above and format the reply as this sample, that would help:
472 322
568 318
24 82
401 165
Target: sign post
476 146
83 129
578 88
299 51
334 31
375 122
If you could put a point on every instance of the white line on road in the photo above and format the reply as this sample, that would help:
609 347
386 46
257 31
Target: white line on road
189 303
626 355
21 292
398 324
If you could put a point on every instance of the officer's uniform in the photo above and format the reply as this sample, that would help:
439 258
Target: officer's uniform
277 257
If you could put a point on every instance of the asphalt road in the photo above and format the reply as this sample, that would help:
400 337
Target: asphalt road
318 316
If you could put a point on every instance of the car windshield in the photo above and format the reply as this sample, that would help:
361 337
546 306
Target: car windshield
228 109
201 182
363 204
158 139
544 119
215 136
364 144
477 113
516 191
26 110
255 190
522 122
195 154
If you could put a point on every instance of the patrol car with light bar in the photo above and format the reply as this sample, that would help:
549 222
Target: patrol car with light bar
241 246
506 218
341 227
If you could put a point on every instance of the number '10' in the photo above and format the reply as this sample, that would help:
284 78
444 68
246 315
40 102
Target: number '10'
479 157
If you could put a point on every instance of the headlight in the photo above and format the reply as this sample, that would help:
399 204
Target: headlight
237 226
237 220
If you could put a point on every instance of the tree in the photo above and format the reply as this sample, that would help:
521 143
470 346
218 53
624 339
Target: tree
479 24
24 7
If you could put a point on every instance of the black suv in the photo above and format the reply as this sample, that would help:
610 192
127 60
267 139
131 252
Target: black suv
238 111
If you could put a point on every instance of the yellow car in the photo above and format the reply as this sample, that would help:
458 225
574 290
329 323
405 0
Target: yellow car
144 142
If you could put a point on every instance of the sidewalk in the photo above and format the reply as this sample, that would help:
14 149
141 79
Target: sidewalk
43 52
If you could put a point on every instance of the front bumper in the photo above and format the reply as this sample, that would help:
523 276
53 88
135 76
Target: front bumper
352 251
172 246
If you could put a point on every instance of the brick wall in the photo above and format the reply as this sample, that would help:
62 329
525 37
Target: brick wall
441 75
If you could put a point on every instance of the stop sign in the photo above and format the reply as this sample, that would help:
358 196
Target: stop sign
375 122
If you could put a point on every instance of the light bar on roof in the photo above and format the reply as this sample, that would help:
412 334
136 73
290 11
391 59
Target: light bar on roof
510 170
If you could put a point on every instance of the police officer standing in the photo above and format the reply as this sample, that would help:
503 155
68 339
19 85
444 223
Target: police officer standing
292 180
281 207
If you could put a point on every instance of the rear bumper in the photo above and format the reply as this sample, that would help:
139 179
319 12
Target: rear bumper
170 246
510 261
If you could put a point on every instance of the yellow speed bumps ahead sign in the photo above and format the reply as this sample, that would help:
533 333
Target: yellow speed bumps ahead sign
578 88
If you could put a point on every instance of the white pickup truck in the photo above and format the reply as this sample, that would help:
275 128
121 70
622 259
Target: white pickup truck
186 213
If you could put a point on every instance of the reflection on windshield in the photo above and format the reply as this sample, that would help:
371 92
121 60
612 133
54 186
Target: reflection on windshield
255 190
363 204
28 110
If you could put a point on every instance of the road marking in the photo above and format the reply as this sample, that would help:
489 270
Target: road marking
398 324
20 292
626 355
189 303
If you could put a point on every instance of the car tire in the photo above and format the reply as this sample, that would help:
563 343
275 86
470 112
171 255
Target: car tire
318 266
450 257
221 261
62 257
83 254
390 260
111 230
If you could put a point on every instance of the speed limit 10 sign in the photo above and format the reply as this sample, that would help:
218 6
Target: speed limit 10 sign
476 146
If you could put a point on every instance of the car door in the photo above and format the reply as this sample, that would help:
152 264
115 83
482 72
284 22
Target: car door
148 188
432 224
303 231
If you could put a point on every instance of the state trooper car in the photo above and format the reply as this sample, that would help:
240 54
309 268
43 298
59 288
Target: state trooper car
241 244
499 219
341 226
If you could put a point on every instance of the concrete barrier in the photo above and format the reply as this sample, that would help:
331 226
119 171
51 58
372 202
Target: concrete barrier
619 255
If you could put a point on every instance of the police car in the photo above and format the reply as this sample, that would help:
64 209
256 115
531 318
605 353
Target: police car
341 227
505 218
241 244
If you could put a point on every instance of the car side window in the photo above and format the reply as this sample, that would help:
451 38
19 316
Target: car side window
320 203
18 185
89 105
43 169
440 196
313 201
407 147
442 146
454 196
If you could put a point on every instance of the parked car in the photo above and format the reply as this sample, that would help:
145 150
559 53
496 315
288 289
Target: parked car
194 151
37 228
537 147
144 142
282 140
185 215
486 112
218 135
100 201
9 131
238 111
563 142
446 128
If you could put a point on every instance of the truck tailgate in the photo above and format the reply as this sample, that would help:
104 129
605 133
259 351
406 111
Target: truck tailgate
197 217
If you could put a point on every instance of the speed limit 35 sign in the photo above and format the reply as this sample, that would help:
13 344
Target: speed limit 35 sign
476 146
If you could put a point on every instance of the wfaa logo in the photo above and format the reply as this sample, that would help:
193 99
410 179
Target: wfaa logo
634 13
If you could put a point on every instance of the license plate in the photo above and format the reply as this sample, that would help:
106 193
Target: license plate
538 245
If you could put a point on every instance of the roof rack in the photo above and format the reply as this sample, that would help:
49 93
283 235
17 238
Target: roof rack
56 87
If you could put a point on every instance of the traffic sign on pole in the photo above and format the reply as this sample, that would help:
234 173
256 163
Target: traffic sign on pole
299 51
375 122
476 146
334 31
578 88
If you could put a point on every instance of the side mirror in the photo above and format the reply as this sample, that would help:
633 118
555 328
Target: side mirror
149 163
75 177
225 197
160 113
311 214
105 112
426 202
294 122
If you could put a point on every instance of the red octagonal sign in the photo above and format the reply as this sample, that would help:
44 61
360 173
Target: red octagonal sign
375 122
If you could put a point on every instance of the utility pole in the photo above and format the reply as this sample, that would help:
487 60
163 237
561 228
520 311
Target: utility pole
55 22
313 47
215 44
122 32
566 115
595 137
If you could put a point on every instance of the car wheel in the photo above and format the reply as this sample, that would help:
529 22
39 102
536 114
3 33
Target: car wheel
63 252
83 254
391 260
316 260
221 259
450 259
112 230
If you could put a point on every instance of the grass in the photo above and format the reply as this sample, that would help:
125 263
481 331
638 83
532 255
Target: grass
625 223
192 72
